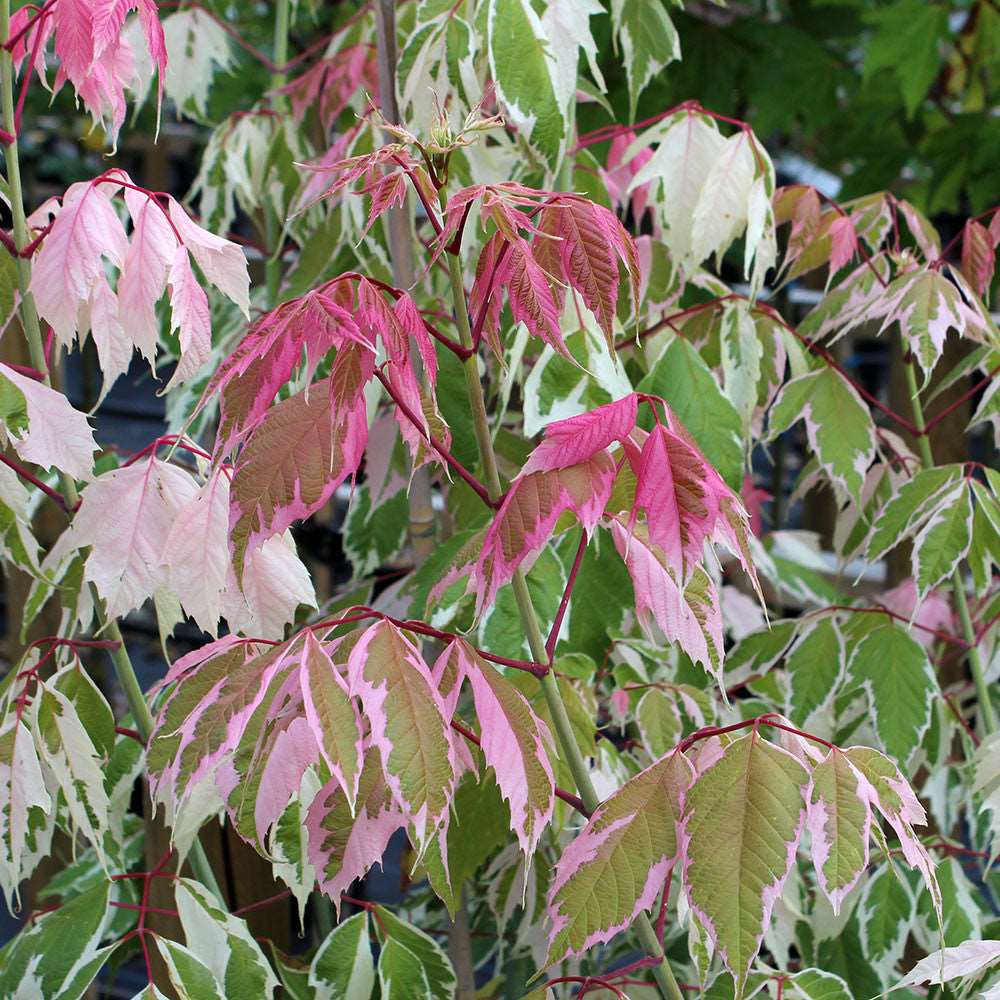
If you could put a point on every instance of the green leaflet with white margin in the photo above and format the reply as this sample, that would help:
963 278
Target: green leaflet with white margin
223 944
617 864
411 963
900 684
742 821
523 71
343 968
838 424
59 954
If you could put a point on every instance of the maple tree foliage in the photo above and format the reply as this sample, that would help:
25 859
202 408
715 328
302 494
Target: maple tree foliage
613 709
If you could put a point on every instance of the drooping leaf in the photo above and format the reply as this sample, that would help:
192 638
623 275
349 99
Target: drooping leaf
302 451
342 845
409 725
342 968
523 70
530 511
688 613
332 716
838 425
839 822
615 868
648 42
223 943
59 954
516 744
742 820
43 427
900 684
126 517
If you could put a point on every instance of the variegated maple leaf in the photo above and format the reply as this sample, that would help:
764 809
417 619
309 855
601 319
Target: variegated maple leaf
95 53
71 288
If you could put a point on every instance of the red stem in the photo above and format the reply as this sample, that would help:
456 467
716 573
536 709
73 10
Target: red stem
550 644
568 797
277 897
362 613
938 417
879 609
478 488
35 481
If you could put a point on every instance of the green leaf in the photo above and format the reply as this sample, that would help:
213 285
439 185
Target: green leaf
478 828
373 537
885 911
91 707
944 540
907 43
815 666
984 547
648 42
523 71
843 955
757 652
616 866
914 501
411 963
601 597
742 818
900 685
556 388
682 378
962 912
501 631
65 746
343 968
188 974
838 425
659 721
58 955
817 984
223 944
13 408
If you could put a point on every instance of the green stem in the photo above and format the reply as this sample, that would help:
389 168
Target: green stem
124 671
272 225
662 972
986 710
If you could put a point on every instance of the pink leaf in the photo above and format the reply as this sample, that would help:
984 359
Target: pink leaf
530 511
114 346
126 516
530 295
144 271
70 261
302 451
189 315
248 380
222 262
196 552
56 435
687 613
568 442
342 848
516 744
275 582
978 255
843 242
